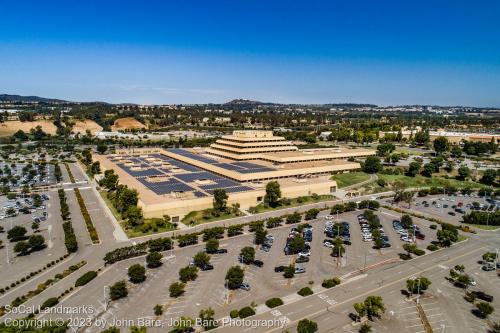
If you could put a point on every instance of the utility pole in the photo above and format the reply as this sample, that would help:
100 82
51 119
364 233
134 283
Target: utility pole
418 290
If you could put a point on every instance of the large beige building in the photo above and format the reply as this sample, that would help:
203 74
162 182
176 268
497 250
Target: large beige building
177 181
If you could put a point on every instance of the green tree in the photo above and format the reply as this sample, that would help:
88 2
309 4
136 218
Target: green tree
441 144
489 176
413 169
220 201
201 259
101 147
485 309
153 259
306 326
212 245
247 255
289 271
36 242
338 247
463 172
207 319
158 310
16 233
372 164
374 306
22 247
118 290
260 236
137 273
188 273
273 194
417 285
296 244
365 328
234 277
360 309
406 221
176 289
428 170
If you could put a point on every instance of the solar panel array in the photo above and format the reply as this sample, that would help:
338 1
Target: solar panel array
242 167
180 182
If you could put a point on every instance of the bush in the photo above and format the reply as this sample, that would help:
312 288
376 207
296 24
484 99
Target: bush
50 302
274 302
306 291
176 289
137 273
432 247
234 314
330 283
118 290
419 252
86 216
246 312
85 278
433 226
153 259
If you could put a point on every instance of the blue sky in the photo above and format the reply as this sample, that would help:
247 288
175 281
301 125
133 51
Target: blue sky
383 52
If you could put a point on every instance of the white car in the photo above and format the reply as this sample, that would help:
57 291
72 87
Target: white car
329 217
305 253
367 239
328 244
270 237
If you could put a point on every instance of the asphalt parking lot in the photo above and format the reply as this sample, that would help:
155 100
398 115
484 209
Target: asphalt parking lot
209 288
50 229
440 206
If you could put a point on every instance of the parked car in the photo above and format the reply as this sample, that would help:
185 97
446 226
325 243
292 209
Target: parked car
302 260
258 263
488 267
299 270
279 269
245 286
207 267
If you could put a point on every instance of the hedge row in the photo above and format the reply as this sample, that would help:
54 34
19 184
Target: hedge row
49 282
86 216
70 174
69 234
32 274
85 278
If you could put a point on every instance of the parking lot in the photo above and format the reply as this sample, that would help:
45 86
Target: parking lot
445 207
21 212
209 288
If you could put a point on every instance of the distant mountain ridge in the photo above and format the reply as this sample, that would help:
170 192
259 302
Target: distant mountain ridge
29 99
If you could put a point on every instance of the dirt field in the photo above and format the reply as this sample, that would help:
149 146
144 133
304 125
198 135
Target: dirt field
126 123
10 127
82 126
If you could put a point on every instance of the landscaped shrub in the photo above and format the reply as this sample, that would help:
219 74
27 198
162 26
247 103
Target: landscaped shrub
330 283
126 252
432 247
419 252
433 226
85 278
70 237
86 216
246 312
234 314
50 302
306 291
274 302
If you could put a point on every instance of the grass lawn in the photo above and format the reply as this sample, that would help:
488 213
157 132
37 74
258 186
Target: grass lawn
421 181
483 226
409 151
260 208
348 179
198 217
149 227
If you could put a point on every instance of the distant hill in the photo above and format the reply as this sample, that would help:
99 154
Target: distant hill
29 99
241 101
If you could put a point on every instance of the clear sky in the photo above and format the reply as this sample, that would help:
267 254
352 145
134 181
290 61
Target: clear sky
383 52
